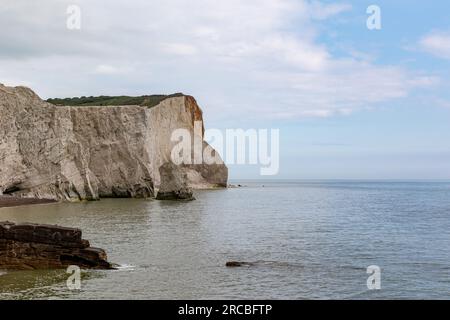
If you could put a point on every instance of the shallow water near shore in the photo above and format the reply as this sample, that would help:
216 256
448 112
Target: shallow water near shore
306 240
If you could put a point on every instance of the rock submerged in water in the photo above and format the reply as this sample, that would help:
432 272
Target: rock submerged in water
36 246
233 264
231 186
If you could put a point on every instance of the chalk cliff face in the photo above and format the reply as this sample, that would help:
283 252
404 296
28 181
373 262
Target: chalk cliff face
63 152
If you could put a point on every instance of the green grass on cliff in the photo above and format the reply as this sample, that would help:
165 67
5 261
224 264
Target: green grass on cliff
148 101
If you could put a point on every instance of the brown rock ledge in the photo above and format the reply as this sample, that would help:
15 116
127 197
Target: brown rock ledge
37 246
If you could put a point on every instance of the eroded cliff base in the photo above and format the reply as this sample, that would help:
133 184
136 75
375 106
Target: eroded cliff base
10 201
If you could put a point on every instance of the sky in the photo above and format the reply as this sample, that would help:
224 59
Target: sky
350 103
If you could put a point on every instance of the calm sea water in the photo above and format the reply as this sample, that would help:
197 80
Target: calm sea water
308 240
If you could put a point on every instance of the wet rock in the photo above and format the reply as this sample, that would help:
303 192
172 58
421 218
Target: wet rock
234 186
176 195
233 264
38 246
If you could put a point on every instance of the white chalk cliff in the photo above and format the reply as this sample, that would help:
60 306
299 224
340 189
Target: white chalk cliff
77 152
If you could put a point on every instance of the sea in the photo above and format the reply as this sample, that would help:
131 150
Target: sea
300 240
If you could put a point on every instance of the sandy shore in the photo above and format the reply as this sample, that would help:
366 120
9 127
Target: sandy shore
8 201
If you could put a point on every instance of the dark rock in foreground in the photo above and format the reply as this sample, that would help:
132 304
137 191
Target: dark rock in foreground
36 246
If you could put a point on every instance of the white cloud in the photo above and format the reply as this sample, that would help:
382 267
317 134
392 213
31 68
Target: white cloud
255 58
108 70
181 49
345 87
443 103
322 11
15 82
437 44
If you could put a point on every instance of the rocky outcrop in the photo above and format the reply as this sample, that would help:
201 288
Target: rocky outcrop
35 246
234 264
71 153
173 186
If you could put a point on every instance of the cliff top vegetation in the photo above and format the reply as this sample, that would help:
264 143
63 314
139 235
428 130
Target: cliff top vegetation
147 100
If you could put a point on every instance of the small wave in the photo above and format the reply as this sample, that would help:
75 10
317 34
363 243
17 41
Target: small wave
270 263
125 267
